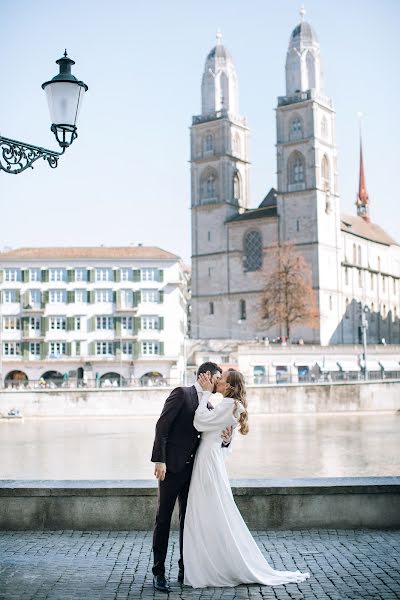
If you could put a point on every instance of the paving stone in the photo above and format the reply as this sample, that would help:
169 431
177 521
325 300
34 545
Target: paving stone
116 565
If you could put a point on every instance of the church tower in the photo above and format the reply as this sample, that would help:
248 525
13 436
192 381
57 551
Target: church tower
219 190
308 197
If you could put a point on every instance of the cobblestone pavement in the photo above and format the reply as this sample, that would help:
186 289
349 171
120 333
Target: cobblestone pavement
116 565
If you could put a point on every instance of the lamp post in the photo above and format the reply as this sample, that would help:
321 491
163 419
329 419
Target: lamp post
64 96
364 327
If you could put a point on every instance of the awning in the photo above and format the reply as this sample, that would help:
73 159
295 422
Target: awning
390 365
328 366
349 365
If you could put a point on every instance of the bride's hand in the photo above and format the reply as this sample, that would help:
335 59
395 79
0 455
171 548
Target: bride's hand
205 382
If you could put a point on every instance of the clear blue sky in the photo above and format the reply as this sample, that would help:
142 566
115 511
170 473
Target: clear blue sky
126 178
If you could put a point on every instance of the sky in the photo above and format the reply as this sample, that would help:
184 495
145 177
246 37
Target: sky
126 179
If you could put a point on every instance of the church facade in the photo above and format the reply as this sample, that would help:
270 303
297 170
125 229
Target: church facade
355 265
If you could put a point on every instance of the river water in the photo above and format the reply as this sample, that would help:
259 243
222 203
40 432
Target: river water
325 445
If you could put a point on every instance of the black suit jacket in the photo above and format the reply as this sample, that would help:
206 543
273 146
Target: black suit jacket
176 440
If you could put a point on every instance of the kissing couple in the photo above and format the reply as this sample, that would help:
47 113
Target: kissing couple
191 442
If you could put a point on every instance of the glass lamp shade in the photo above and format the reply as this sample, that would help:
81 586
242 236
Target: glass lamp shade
64 99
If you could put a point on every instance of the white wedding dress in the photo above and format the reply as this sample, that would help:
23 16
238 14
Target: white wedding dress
218 548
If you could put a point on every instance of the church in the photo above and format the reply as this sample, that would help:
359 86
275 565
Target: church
355 264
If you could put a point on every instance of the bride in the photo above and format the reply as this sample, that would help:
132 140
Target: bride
218 548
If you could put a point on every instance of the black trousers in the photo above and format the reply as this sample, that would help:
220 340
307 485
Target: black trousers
175 485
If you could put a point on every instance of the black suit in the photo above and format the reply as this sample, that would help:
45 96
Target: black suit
176 442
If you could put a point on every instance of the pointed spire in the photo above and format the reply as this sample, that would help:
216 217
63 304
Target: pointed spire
362 196
219 36
302 12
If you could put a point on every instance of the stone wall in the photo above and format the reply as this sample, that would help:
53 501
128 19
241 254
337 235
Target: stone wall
316 398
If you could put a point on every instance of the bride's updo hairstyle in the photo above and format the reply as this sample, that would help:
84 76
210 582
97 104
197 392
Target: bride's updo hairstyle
237 391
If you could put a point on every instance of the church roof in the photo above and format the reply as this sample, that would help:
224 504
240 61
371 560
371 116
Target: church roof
254 213
270 199
365 229
219 51
303 33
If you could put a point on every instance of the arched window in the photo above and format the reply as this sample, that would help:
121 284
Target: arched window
296 128
296 168
324 127
325 173
208 143
211 308
359 278
379 263
252 251
242 310
236 186
236 146
208 185
354 254
359 255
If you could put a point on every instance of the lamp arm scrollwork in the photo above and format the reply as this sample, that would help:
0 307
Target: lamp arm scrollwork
16 156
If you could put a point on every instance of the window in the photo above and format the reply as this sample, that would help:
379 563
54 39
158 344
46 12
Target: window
12 275
103 274
346 276
324 127
34 348
253 251
297 225
150 348
384 311
57 275
126 348
359 278
383 283
242 310
10 296
126 298
211 186
359 255
150 322
236 145
236 186
127 323
104 322
35 275
57 349
347 315
379 263
11 349
209 236
77 348
149 274
104 296
208 185
104 348
208 143
211 308
80 274
34 323
150 295
81 296
296 129
296 166
58 323
11 323
372 312
354 254
35 297
126 274
372 281
325 173
58 296
78 323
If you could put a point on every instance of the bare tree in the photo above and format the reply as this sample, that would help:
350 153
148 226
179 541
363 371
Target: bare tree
288 298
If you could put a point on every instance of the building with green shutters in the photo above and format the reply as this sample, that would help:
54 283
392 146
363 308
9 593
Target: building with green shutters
91 316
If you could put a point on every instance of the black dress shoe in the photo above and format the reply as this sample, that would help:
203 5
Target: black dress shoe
160 584
180 576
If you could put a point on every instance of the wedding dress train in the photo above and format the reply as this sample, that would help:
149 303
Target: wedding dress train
218 548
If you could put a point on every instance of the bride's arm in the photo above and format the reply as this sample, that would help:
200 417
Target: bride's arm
212 420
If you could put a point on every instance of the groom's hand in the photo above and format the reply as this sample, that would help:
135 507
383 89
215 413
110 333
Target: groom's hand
160 470
227 435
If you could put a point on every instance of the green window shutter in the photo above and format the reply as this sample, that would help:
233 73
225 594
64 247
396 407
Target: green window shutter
117 348
92 275
88 297
160 322
69 297
70 323
45 275
45 298
136 349
44 350
160 275
92 348
161 348
117 275
44 325
136 274
25 275
17 295
26 298
70 275
136 324
118 298
69 348
92 296
136 298
25 349
161 296
72 296
114 297
1 275
25 325
77 348
117 325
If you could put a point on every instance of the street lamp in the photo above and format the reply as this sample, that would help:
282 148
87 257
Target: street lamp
64 96
364 327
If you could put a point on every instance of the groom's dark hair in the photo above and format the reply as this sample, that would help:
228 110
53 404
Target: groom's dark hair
209 366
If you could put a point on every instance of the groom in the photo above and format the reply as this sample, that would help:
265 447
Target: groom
175 445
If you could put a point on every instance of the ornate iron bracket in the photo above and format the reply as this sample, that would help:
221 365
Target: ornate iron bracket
16 156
